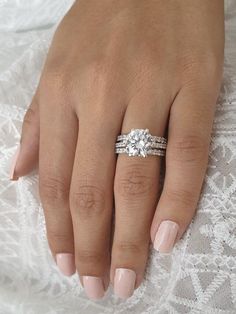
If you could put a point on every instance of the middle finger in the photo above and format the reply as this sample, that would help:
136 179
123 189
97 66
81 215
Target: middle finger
91 200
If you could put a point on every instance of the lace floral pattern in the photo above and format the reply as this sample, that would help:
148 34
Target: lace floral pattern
200 275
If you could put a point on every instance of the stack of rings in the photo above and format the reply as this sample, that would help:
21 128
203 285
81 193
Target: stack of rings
139 142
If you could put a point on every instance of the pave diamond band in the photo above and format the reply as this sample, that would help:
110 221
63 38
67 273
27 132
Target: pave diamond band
154 152
139 142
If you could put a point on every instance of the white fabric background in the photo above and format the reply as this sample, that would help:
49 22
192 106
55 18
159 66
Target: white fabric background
200 275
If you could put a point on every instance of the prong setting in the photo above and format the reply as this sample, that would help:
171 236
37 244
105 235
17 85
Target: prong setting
139 142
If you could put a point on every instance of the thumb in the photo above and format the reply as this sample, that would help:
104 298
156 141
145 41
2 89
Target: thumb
26 157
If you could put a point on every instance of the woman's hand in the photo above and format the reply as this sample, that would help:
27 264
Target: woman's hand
115 65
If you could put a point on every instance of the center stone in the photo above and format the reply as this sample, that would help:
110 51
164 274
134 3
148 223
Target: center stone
138 142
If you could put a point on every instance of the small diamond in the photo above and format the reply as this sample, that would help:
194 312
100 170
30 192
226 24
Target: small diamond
138 142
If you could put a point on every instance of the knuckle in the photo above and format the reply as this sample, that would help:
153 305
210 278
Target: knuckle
90 257
56 84
181 196
191 65
97 72
190 148
99 78
195 62
53 190
52 79
87 200
202 70
56 237
133 182
132 248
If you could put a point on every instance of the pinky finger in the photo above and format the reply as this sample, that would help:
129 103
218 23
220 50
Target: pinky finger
186 162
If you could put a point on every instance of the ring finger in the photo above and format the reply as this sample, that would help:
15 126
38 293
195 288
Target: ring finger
136 187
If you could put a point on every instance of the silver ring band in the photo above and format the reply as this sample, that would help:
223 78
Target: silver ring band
139 142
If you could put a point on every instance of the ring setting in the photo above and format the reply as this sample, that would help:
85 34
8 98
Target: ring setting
139 142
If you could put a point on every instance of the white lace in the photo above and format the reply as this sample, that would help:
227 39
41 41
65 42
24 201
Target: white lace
199 277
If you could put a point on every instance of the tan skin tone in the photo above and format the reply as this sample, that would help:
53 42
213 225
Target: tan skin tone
115 65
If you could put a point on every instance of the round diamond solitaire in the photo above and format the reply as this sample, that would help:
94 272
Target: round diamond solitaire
139 142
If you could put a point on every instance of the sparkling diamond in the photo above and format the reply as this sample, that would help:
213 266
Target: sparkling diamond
138 142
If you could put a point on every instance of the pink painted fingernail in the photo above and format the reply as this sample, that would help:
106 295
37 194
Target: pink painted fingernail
66 263
124 282
166 236
93 287
13 165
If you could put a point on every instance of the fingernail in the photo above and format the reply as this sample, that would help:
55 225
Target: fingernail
124 282
166 236
93 287
66 263
13 165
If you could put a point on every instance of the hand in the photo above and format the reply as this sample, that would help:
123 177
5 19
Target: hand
113 66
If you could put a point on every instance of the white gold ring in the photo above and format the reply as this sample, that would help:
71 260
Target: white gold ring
139 142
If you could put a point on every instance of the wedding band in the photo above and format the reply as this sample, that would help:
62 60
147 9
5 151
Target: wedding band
139 142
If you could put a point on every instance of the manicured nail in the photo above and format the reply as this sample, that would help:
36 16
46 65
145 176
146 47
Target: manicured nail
124 282
93 287
166 236
13 165
66 263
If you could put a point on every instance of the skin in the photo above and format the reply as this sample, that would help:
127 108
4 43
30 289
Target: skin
115 65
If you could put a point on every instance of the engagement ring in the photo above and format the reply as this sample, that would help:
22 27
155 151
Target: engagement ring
139 142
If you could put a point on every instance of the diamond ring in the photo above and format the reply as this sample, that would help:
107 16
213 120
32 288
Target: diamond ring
139 142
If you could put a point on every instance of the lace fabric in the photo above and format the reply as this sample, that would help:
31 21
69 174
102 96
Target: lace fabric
200 275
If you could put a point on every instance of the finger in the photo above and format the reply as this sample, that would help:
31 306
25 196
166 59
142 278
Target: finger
26 156
91 200
136 187
58 137
190 124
